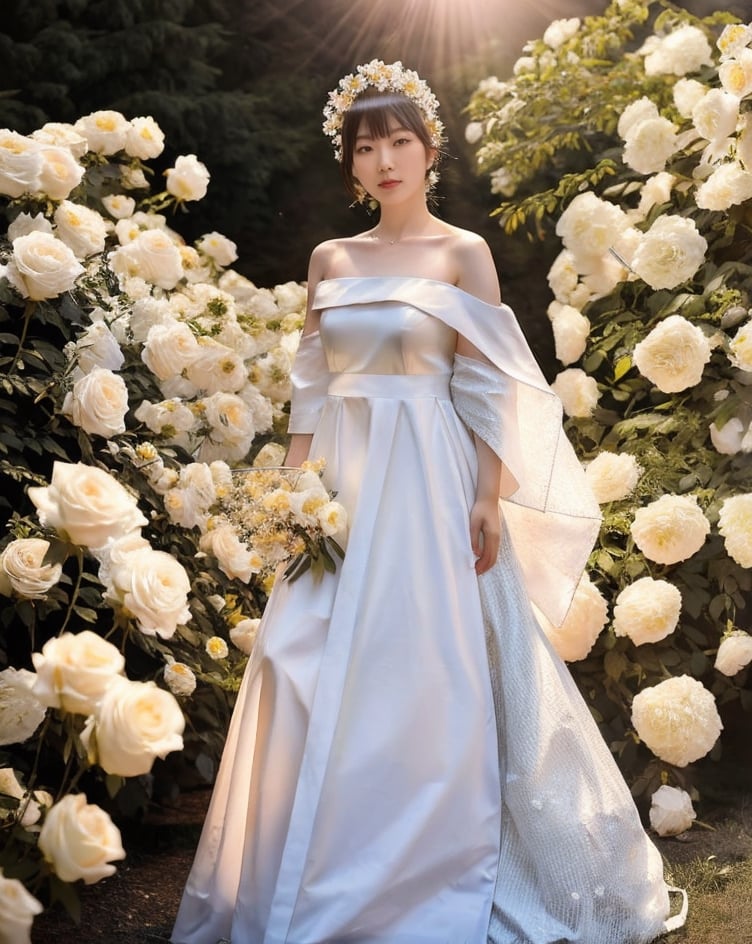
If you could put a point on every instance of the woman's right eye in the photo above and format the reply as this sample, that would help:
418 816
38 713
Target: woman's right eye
363 149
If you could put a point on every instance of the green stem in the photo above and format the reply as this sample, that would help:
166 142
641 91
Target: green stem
28 312
76 588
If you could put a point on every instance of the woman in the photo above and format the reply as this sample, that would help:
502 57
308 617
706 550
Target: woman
408 760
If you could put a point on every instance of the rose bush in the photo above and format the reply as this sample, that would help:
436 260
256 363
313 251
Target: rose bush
641 116
136 369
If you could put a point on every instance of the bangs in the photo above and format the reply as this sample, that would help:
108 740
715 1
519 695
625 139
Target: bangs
374 115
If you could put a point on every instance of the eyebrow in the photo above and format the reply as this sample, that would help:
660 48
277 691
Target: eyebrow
392 131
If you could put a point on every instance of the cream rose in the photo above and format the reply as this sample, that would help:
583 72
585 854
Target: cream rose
670 529
733 39
18 908
216 368
153 587
734 653
590 226
643 109
647 610
671 811
86 505
74 670
20 163
649 144
105 131
153 256
612 476
235 559
217 648
655 191
59 173
684 50
230 420
735 524
119 206
243 634
79 840
44 266
716 114
21 712
673 355
677 719
23 571
587 616
81 229
180 678
578 393
188 179
740 347
97 347
144 139
736 74
670 252
98 403
61 134
218 247
687 93
730 438
559 31
169 349
571 329
563 277
135 722
24 224
729 185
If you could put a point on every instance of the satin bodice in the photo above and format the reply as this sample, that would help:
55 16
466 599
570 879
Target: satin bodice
386 337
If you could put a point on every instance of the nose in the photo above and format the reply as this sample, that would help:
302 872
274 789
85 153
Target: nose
385 157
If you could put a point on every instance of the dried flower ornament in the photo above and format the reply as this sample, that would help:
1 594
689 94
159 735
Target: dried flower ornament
386 78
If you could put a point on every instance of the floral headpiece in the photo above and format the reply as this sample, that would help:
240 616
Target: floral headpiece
386 78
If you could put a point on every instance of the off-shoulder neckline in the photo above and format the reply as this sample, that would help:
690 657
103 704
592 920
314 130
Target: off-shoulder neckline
406 278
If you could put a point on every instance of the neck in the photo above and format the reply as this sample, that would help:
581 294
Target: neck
401 222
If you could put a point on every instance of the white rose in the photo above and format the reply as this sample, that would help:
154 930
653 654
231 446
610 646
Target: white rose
687 93
188 179
144 139
473 132
734 653
612 476
169 349
677 719
715 115
24 224
582 625
74 670
563 277
649 144
23 571
733 39
59 173
169 418
590 226
671 811
61 134
685 50
643 109
735 524
728 439
86 505
216 368
18 908
153 256
98 403
98 347
79 840
230 419
655 191
235 559
578 393
20 163
736 74
216 648
728 185
243 634
670 252
135 722
647 610
218 247
740 347
105 131
180 678
559 31
153 587
44 266
571 329
80 228
21 712
673 355
119 206
670 529
332 518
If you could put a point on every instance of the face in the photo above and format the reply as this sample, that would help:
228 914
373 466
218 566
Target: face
391 168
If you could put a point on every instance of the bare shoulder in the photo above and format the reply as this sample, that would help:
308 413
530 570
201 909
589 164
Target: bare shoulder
476 271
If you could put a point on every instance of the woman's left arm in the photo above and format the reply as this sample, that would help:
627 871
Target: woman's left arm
477 275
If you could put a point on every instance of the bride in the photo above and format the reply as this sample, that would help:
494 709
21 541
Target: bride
409 762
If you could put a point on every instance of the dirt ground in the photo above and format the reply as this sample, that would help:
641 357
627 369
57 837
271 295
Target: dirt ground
138 904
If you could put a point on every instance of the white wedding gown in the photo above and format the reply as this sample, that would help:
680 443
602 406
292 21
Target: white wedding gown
409 762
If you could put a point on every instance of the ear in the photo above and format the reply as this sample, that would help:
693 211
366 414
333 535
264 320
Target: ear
431 155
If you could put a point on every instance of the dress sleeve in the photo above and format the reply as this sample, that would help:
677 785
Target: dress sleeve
310 384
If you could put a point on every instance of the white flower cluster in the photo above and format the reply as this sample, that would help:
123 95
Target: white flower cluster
392 77
582 625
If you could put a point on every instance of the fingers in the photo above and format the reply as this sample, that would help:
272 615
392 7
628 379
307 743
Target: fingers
485 539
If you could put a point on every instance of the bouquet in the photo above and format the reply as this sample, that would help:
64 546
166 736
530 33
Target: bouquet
286 515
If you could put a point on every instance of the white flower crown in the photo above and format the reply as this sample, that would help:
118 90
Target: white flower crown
386 78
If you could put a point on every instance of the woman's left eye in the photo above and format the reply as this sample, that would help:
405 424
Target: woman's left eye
402 141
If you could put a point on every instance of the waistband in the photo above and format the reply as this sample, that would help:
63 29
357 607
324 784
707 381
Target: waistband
390 386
